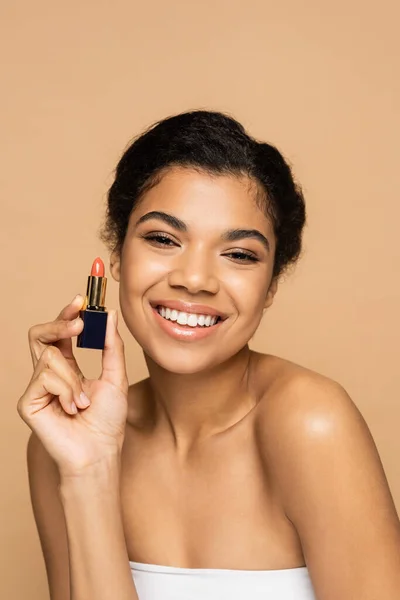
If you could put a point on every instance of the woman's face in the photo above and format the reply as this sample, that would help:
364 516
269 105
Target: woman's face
183 254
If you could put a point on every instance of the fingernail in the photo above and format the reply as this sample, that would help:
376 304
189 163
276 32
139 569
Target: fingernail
74 408
84 399
115 317
76 297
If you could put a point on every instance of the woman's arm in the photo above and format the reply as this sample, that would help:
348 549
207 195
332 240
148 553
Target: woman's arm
99 563
44 483
84 439
80 530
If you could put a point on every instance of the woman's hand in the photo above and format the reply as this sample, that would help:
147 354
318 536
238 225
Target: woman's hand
75 435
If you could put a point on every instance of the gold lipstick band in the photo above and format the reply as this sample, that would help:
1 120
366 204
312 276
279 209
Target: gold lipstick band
96 292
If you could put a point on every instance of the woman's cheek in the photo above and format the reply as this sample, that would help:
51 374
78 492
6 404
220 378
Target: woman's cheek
140 283
156 269
247 291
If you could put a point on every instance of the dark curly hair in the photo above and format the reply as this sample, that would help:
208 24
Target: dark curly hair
215 143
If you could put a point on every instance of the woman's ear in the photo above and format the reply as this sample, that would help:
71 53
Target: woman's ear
271 294
115 265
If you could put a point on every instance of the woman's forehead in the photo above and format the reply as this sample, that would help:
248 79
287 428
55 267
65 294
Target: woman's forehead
199 197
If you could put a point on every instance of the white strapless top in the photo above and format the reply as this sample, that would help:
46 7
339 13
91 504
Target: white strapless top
156 582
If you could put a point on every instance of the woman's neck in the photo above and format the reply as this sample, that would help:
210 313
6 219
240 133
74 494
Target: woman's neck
195 406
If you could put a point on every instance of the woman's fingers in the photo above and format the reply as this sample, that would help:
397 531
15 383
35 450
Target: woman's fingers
52 359
59 334
71 310
113 357
69 313
41 391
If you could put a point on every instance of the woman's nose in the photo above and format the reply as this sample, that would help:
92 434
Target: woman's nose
196 273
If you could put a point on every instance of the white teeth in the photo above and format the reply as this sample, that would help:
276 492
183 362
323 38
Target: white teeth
190 319
182 318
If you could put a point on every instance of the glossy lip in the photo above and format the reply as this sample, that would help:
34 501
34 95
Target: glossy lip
189 307
184 333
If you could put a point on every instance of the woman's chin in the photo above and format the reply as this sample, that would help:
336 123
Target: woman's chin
181 363
182 367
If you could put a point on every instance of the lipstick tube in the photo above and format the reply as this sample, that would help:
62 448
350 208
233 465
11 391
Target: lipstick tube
93 312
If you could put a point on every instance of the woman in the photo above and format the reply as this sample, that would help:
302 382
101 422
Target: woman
226 473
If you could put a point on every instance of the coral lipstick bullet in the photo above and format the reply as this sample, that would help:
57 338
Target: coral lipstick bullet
93 312
97 268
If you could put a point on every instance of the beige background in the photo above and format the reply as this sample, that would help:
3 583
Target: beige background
80 79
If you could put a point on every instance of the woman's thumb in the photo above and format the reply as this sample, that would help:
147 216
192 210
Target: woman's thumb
113 358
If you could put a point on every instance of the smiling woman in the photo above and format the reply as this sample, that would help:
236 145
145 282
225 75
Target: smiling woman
240 474
200 212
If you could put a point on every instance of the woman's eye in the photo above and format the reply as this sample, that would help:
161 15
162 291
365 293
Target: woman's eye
243 256
160 239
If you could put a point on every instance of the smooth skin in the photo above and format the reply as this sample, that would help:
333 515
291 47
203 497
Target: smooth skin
223 457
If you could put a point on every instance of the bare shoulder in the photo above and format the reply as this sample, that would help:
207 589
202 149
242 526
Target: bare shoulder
291 394
298 404
331 483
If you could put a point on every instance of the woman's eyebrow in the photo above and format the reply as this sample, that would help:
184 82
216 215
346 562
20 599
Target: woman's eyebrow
231 235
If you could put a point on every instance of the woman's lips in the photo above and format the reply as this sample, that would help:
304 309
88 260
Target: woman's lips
184 332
